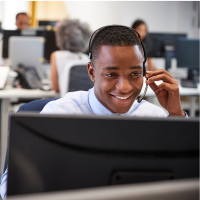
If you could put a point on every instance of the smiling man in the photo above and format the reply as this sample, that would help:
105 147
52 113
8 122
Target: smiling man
117 69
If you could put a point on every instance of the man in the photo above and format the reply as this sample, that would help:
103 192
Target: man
116 68
22 21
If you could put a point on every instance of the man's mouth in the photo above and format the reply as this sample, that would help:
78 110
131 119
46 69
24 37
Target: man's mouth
122 98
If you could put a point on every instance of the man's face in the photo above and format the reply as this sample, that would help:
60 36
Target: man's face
117 76
22 22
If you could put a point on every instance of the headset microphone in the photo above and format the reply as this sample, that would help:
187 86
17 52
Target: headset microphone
92 37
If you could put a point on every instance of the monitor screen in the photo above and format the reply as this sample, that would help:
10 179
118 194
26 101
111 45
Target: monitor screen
66 152
45 23
188 53
156 43
50 42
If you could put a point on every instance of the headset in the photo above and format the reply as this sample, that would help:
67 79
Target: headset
92 37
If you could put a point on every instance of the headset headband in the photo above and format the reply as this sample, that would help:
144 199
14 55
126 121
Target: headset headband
92 37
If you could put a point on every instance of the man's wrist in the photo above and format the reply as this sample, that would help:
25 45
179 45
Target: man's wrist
180 113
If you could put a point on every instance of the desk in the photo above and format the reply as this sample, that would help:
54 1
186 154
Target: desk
6 97
193 94
173 189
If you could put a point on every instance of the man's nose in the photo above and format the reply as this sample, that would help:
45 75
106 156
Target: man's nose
123 85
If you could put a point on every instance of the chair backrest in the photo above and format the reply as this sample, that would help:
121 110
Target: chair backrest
35 106
79 78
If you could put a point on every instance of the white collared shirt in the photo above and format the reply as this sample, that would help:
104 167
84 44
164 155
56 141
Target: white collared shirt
85 102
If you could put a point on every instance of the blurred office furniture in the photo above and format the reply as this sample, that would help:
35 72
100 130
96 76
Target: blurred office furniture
67 152
8 95
192 93
35 106
50 44
4 70
162 45
165 190
79 79
65 76
46 23
188 57
26 51
8 33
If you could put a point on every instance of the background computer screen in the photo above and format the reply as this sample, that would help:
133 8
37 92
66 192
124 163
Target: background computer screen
63 152
50 41
188 53
45 23
156 43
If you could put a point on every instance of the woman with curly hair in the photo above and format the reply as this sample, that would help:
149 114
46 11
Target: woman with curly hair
72 38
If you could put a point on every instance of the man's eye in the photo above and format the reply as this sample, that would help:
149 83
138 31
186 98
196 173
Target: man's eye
110 75
136 74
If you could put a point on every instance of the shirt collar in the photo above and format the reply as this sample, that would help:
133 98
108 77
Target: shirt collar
99 109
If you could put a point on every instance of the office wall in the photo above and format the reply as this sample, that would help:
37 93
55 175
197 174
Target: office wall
171 16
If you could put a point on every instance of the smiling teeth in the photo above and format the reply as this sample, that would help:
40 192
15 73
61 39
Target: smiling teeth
122 97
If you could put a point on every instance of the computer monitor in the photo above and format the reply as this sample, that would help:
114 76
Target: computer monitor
188 57
188 53
157 43
162 45
46 23
50 43
8 33
67 152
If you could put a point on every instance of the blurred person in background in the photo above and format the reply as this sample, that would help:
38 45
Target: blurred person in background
141 27
22 21
72 38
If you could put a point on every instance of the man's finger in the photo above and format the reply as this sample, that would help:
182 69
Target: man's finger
156 72
153 86
163 77
167 86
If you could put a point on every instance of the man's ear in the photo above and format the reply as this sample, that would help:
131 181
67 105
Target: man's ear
91 71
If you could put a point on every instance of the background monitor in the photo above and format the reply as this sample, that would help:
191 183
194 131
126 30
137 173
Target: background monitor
45 23
8 33
188 53
188 57
68 152
158 43
50 43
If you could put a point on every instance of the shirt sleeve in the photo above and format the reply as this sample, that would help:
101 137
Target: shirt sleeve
50 108
3 186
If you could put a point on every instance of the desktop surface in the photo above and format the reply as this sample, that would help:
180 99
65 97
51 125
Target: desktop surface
65 152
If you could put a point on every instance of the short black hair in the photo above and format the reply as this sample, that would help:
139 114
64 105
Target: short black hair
21 13
137 23
113 36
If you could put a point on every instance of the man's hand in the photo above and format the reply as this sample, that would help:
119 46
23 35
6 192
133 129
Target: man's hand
167 92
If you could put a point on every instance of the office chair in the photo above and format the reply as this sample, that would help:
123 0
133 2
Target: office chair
79 79
35 106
